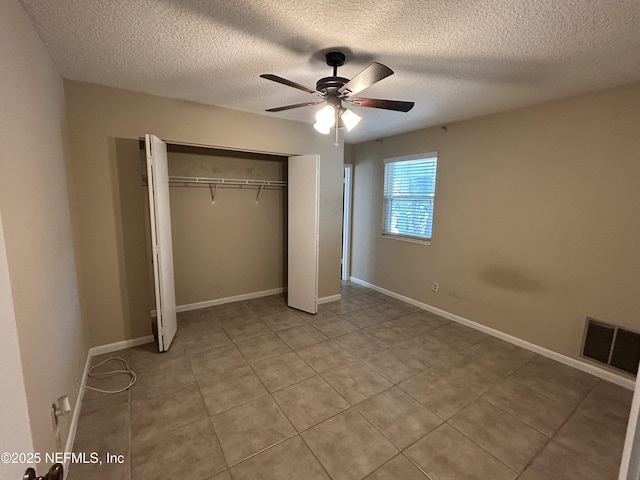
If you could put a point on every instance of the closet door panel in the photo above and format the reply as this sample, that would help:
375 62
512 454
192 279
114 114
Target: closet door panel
303 220
162 247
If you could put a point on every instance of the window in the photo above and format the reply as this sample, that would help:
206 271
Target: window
409 194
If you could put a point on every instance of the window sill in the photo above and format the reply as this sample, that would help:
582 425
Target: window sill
406 239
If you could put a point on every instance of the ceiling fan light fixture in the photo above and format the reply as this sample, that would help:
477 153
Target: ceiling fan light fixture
350 119
326 115
325 119
322 128
334 90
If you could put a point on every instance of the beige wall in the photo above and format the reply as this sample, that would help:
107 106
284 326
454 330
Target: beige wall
536 221
235 246
102 124
36 220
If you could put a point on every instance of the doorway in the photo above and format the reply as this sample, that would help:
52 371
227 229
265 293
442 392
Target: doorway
211 228
345 258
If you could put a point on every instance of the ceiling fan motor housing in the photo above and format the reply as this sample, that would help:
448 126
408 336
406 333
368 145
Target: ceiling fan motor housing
330 85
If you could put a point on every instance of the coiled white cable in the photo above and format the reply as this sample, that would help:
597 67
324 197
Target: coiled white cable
111 373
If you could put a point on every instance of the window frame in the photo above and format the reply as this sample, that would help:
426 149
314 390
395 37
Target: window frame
385 198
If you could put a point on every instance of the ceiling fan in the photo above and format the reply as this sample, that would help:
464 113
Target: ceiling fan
338 91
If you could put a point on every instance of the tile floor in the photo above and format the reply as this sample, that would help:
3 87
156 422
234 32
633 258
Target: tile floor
370 388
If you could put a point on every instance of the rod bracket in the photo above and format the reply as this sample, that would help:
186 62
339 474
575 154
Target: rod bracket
213 191
259 192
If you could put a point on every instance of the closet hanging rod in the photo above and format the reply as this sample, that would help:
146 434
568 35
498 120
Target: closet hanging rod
227 181
231 182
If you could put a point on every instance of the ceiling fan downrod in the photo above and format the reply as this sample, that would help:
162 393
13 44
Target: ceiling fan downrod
335 60
331 85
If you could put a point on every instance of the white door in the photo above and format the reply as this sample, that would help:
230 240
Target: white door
303 192
161 245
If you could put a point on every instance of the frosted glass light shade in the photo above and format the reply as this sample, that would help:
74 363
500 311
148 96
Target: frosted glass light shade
322 128
326 115
350 119
325 119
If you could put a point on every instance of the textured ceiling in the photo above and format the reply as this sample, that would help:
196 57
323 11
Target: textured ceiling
455 59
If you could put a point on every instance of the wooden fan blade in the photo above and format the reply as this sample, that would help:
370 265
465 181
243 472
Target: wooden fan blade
284 81
370 75
289 107
397 105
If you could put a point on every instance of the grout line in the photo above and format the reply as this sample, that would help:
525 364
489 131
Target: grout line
483 448
215 434
573 413
549 438
415 464
314 455
275 403
552 437
262 451
284 413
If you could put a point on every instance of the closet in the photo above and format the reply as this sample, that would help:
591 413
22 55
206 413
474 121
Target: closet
236 225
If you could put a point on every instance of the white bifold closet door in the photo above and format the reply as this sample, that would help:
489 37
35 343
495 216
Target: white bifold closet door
303 221
161 244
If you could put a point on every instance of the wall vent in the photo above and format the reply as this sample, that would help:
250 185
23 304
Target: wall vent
611 345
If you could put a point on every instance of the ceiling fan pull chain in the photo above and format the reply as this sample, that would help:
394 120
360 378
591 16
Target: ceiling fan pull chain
337 125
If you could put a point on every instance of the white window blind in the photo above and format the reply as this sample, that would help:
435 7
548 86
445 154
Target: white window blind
409 194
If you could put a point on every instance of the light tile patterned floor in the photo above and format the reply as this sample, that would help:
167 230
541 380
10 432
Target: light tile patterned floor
370 387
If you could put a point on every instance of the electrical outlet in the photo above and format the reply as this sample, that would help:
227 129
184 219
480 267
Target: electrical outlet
435 286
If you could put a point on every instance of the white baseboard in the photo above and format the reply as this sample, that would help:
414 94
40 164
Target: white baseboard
235 298
331 298
114 347
93 351
239 298
220 301
545 352
73 428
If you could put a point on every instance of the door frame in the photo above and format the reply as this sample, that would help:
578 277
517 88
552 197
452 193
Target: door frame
345 271
245 150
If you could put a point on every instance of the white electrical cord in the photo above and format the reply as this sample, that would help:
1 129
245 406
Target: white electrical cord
112 373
